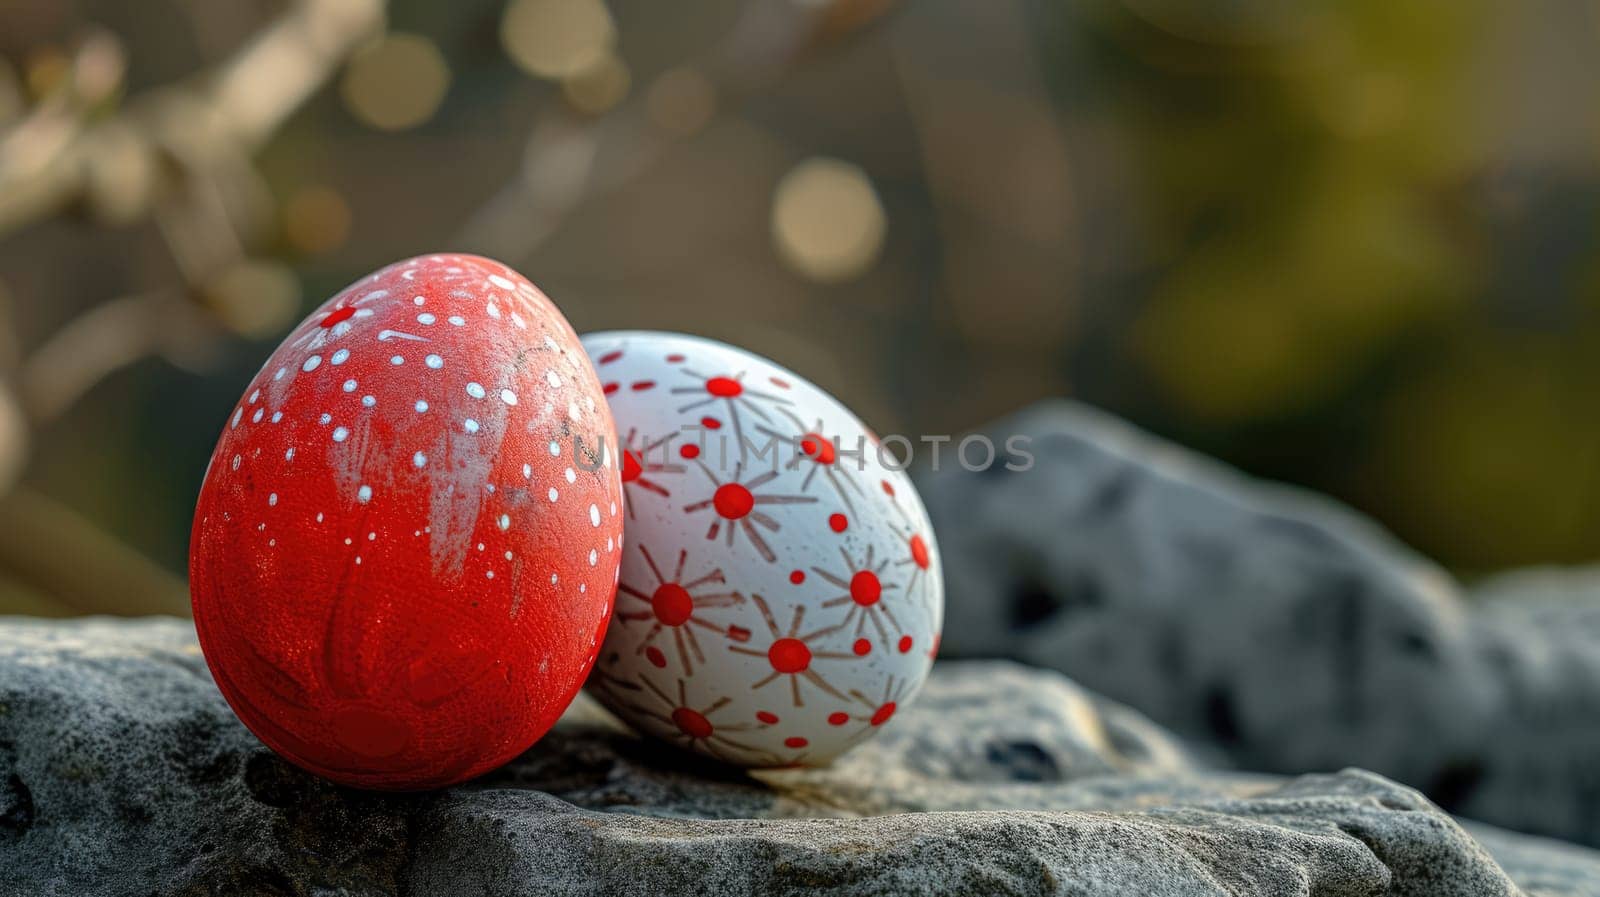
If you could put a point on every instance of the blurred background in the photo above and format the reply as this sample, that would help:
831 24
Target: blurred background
1350 245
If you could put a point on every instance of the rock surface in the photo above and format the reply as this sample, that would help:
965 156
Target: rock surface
122 772
1271 626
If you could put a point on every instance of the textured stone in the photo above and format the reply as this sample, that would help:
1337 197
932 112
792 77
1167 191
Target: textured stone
136 778
122 772
1275 627
1319 835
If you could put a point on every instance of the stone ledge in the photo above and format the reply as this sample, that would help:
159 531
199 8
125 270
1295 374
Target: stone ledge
122 772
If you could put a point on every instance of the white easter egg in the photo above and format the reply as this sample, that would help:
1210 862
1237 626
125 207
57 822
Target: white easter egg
780 594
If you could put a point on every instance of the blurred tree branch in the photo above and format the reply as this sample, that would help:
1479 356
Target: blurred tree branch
66 558
181 156
104 339
57 156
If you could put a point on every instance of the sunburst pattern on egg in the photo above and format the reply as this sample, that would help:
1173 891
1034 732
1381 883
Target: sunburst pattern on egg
780 595
407 543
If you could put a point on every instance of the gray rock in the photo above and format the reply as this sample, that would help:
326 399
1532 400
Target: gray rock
1542 867
1551 599
122 772
1540 634
126 773
1352 834
1272 626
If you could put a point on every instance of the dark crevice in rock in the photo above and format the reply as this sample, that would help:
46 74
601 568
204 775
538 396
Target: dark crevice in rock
272 781
16 807
1418 645
195 751
1032 603
1452 787
1220 715
1025 761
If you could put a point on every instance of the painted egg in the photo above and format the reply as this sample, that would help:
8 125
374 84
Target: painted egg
780 596
406 546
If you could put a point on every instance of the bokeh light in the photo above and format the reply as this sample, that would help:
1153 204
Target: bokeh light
99 67
557 38
599 87
396 83
316 219
255 299
827 222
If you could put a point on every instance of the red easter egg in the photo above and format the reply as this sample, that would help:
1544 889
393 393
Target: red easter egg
406 546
